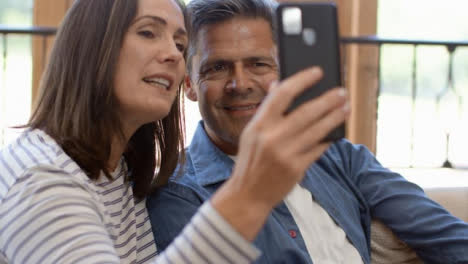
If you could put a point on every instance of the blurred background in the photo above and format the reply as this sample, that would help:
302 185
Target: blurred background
421 116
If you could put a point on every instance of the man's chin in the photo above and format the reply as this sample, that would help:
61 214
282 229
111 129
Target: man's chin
239 124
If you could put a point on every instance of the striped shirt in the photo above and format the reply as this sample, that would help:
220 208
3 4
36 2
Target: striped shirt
50 212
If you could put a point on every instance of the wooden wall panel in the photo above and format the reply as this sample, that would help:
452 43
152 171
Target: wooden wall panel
363 76
45 13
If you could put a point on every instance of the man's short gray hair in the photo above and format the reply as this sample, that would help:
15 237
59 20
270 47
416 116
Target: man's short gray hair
201 13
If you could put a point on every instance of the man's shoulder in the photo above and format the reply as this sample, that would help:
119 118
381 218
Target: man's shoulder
343 159
184 180
184 174
170 208
175 190
344 151
345 147
336 155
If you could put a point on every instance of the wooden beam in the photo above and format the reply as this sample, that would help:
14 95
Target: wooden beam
362 75
45 13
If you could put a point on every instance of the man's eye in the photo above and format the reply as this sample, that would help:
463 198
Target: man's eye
146 34
215 68
218 67
216 71
261 64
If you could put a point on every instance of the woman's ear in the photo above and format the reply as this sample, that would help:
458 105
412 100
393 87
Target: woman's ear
189 89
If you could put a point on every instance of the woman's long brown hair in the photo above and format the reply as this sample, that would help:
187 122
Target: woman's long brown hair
77 104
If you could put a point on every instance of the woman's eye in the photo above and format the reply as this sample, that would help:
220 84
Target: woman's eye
146 34
181 47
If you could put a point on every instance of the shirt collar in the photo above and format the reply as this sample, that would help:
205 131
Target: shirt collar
210 164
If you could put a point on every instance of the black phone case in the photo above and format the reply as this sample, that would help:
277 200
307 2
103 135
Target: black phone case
295 55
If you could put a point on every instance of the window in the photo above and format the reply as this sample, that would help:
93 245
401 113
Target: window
192 116
435 132
16 69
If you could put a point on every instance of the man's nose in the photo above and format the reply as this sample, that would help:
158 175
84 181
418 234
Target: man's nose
239 80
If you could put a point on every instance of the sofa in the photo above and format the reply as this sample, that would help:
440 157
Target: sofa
386 248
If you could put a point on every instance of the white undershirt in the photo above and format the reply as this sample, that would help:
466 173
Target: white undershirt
326 242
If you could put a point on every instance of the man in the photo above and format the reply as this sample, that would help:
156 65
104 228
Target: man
326 218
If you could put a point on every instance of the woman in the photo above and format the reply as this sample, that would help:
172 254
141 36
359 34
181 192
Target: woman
72 186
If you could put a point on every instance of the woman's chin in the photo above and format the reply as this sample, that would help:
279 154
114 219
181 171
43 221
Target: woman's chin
158 114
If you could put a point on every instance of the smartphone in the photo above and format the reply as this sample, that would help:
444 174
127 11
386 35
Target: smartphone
308 36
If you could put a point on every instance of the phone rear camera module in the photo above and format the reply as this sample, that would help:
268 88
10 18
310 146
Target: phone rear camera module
292 20
309 36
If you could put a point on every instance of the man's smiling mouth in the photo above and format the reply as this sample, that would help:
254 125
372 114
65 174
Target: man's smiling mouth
242 107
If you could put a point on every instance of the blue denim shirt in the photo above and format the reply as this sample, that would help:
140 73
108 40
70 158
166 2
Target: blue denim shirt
347 181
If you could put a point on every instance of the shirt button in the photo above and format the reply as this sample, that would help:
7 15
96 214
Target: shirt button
292 233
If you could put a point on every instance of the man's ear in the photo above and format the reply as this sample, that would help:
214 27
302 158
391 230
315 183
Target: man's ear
189 89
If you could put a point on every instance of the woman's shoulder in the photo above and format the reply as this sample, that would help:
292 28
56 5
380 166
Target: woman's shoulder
31 148
35 155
